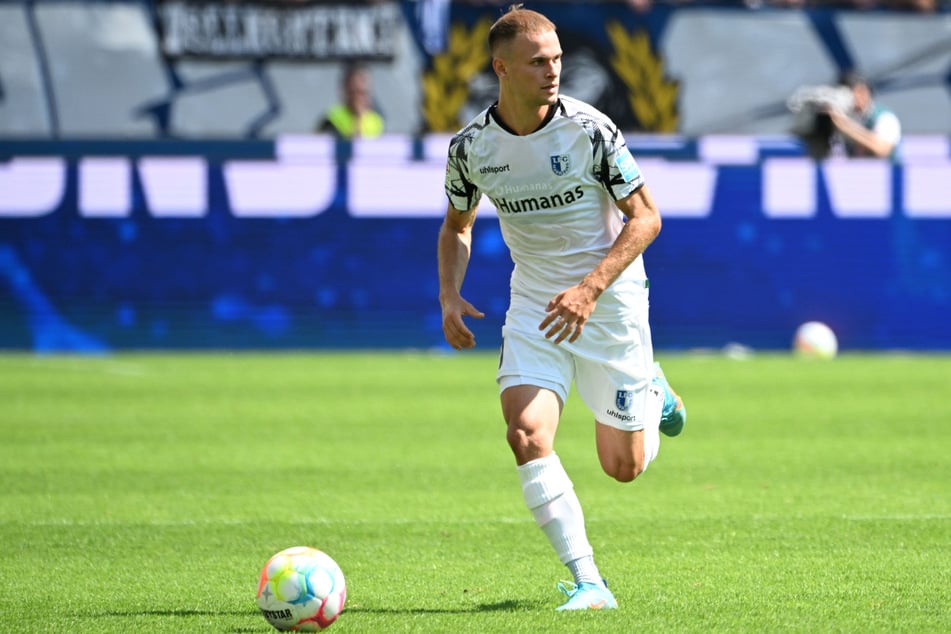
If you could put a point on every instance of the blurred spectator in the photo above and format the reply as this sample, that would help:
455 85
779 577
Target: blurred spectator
867 128
354 116
922 6
640 6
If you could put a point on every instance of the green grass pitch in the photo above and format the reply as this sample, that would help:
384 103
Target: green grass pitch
142 493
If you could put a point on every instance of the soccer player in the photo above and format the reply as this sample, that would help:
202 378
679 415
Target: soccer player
576 215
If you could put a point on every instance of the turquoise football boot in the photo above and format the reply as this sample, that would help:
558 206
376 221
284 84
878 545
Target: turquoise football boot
673 416
586 596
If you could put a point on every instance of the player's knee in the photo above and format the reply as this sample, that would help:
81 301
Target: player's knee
528 443
624 471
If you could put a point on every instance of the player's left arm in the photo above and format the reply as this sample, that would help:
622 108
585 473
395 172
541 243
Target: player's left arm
569 310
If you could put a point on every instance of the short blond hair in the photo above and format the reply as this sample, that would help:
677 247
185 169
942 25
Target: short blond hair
514 22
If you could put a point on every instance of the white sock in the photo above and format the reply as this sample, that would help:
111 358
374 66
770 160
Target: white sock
655 406
550 496
584 571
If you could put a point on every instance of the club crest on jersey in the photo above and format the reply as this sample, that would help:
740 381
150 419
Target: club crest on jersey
623 399
560 164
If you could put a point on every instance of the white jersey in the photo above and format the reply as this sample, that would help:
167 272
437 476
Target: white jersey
554 190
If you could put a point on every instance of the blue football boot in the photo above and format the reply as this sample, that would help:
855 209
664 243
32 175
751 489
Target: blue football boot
673 416
586 596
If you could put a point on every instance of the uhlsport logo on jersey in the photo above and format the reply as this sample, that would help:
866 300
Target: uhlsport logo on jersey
623 399
560 164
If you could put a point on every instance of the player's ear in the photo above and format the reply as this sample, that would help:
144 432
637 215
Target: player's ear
498 66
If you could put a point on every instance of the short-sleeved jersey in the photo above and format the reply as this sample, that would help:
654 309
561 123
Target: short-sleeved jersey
554 190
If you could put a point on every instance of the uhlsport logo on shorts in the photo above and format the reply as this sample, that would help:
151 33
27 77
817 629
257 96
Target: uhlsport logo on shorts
623 399
560 164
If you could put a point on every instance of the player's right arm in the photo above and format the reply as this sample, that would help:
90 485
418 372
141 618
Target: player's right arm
453 252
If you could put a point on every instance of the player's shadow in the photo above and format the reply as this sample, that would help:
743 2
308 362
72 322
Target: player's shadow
500 606
182 613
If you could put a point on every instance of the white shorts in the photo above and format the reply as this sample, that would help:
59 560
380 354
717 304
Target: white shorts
611 364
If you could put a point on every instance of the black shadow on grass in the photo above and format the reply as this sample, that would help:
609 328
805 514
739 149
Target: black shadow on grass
501 606
263 627
182 613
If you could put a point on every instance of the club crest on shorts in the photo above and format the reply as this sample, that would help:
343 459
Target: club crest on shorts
560 164
623 399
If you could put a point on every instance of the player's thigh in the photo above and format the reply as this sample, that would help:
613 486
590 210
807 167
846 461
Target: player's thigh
531 413
530 406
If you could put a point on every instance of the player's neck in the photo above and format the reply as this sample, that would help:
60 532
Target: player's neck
524 120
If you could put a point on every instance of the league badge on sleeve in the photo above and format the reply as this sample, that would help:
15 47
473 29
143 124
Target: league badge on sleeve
560 164
627 165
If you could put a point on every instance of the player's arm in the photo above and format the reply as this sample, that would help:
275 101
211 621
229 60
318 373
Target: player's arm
453 252
642 226
870 140
569 310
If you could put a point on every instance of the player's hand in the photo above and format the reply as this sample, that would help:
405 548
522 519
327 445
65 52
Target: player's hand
568 311
454 328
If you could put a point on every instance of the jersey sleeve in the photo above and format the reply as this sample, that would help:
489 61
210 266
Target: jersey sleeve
614 165
462 192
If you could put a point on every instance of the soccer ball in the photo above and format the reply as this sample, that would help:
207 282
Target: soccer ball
815 339
301 589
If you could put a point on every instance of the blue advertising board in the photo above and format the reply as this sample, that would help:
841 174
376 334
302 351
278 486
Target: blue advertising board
290 245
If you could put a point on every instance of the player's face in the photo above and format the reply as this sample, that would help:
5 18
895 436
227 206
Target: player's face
533 67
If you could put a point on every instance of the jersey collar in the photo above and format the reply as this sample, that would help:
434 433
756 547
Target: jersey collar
494 114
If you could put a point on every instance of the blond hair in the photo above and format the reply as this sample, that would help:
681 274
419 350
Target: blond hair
514 22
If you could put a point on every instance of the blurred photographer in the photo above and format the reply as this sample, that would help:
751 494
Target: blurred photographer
844 118
868 129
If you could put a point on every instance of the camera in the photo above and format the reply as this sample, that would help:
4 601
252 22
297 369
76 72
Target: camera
809 106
